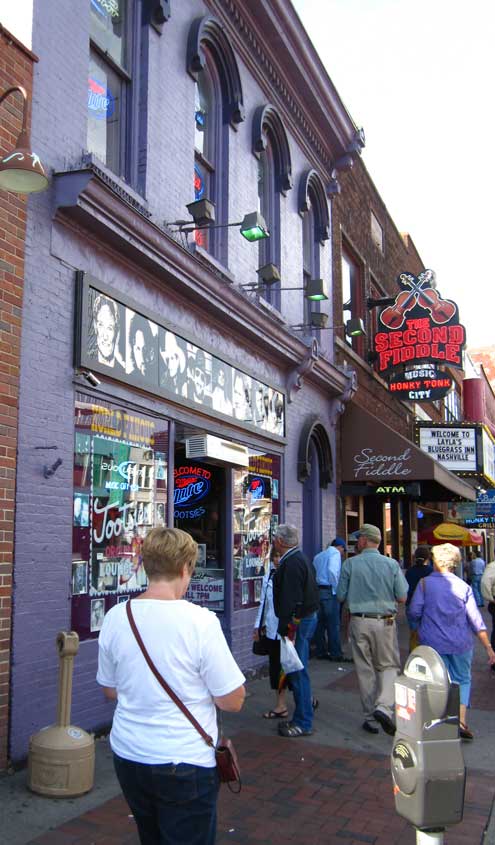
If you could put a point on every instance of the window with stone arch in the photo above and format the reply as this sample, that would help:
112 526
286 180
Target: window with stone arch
218 105
313 208
271 148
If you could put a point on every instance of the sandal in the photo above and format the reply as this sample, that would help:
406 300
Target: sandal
464 732
276 714
290 730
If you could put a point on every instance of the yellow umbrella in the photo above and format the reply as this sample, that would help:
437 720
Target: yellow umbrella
451 532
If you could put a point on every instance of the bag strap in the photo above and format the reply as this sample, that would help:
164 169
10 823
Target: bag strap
207 738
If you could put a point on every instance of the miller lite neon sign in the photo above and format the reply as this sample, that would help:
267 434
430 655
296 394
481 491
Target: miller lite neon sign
191 485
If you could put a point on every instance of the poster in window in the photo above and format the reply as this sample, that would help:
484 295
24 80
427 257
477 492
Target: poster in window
79 580
81 510
97 614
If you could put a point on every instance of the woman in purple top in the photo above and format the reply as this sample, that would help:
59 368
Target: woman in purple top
446 610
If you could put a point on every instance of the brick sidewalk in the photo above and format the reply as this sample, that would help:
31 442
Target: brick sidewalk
295 792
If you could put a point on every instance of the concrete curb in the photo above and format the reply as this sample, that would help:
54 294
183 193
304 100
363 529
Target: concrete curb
488 837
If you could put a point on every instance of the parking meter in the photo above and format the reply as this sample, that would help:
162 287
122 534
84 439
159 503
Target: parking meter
428 769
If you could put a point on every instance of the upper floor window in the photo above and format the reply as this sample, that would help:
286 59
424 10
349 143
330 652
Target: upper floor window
452 406
271 147
313 208
376 232
217 105
113 85
352 294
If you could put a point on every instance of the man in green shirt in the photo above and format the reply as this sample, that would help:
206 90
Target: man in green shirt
372 584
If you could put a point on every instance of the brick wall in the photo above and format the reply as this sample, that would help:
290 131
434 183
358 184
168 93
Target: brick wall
16 68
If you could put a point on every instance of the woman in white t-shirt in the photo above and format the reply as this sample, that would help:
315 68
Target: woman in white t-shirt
165 769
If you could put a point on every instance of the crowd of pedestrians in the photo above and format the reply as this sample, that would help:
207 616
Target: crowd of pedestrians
166 770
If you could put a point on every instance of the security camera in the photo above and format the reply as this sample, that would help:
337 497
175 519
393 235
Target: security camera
90 377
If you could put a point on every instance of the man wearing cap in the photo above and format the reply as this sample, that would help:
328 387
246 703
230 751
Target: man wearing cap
372 584
327 565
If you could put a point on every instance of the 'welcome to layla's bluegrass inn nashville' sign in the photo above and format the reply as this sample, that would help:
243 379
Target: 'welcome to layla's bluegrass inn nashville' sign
419 333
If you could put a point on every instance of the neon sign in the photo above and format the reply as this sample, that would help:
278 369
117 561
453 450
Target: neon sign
256 488
418 329
101 102
199 183
191 485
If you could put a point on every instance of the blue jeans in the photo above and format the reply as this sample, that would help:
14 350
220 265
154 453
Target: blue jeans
299 681
476 586
329 622
459 668
171 804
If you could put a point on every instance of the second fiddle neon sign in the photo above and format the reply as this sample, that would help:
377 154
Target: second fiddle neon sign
419 328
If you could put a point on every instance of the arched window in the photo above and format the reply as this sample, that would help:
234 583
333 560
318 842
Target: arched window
217 105
313 208
271 148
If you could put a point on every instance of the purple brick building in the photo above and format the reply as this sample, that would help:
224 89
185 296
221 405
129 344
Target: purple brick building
170 375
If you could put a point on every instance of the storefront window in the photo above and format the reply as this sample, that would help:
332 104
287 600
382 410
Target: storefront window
120 492
256 516
199 505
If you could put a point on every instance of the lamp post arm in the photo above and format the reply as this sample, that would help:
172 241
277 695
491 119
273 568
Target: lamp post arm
24 95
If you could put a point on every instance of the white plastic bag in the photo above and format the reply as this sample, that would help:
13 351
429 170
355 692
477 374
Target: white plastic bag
289 657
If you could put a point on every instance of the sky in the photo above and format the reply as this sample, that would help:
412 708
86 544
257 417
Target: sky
419 77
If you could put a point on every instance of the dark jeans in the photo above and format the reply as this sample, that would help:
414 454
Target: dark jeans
329 623
299 681
274 663
491 611
171 804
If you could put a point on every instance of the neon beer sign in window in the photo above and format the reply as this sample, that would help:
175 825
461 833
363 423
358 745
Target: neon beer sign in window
191 485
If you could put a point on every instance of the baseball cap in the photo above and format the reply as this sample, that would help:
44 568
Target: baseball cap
371 532
422 553
339 541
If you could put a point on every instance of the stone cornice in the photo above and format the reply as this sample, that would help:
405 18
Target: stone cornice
268 40
83 198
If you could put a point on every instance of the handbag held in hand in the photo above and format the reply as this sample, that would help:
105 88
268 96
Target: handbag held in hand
261 646
225 756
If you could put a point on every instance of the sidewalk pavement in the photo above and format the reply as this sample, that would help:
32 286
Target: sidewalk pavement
332 787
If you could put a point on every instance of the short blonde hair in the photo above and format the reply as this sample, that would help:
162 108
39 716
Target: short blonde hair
166 551
446 556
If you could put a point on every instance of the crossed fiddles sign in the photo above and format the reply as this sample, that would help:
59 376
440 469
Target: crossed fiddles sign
417 290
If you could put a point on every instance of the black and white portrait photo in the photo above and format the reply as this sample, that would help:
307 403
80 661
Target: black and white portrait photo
245 592
97 614
221 395
81 510
199 365
261 403
173 363
105 336
79 581
160 514
141 348
243 397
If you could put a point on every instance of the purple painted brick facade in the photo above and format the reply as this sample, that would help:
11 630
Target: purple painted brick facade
55 249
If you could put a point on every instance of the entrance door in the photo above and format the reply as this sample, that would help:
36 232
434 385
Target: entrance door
311 506
199 509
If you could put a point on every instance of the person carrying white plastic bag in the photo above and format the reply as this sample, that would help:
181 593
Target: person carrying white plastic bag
289 658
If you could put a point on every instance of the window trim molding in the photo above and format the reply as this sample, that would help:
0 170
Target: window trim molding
267 122
310 181
208 31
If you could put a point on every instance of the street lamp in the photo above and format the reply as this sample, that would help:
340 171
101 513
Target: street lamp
252 227
21 170
315 290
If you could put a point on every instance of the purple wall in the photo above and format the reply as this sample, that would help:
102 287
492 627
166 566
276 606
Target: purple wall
53 253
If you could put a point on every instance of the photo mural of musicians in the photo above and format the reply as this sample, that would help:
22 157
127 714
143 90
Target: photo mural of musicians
142 348
222 387
243 397
199 365
173 363
106 341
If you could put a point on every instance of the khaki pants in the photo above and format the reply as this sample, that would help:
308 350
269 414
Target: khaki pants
375 650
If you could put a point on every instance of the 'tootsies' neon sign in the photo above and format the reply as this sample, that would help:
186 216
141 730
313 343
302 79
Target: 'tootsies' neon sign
191 485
